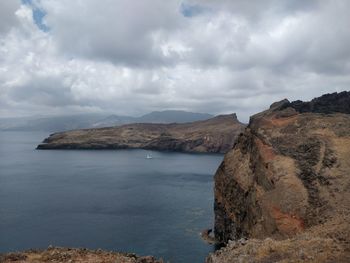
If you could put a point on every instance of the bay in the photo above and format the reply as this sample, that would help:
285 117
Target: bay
114 200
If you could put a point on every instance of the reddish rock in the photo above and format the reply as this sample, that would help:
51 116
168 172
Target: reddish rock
288 174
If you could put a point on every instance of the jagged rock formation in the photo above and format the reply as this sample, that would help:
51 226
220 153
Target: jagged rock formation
288 178
328 103
216 135
64 255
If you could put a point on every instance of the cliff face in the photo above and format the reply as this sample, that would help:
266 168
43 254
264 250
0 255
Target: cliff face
288 177
216 135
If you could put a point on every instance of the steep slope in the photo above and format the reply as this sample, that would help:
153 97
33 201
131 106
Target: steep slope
288 178
215 135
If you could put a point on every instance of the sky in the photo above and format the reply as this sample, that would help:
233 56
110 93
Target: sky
132 57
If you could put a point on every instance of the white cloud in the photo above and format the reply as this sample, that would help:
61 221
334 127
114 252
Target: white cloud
122 31
131 57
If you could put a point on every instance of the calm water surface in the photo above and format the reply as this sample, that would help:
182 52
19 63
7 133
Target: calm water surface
114 200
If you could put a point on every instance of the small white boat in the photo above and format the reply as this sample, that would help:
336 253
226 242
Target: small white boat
149 156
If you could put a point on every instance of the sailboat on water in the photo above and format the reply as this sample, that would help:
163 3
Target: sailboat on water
149 156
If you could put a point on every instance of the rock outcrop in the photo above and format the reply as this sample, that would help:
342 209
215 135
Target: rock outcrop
216 135
64 255
285 186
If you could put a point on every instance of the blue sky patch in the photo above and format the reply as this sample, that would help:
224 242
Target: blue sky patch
189 10
38 15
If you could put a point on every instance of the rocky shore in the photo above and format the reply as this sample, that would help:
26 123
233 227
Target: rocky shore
216 135
285 186
70 255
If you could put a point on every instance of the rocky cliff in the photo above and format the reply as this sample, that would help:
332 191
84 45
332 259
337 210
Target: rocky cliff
216 135
285 186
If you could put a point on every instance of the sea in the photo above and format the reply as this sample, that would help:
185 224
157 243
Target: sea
116 200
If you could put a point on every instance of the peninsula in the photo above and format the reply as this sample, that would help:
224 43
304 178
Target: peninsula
215 135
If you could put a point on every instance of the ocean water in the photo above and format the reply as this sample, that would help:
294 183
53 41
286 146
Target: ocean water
113 200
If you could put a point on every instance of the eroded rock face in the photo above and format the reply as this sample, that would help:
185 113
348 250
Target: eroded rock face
288 174
216 135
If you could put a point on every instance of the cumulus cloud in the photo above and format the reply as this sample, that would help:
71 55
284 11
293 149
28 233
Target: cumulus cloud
125 32
131 57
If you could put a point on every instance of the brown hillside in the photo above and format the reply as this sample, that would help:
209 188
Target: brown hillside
216 135
287 178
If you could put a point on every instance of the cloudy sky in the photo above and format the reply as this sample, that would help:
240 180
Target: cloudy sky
131 57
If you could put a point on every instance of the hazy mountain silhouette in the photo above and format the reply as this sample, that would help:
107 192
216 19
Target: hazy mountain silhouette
70 122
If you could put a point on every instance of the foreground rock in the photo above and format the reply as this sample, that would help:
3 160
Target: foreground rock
304 248
64 255
286 185
216 135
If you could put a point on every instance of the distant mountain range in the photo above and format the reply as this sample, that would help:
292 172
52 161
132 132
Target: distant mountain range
71 122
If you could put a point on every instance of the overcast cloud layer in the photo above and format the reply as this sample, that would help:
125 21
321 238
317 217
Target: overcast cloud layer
131 57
